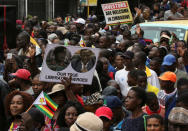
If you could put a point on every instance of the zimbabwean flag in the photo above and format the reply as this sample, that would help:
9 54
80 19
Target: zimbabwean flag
45 104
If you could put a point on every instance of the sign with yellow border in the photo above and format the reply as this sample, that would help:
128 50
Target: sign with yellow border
118 12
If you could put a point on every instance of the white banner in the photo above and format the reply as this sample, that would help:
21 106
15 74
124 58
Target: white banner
65 61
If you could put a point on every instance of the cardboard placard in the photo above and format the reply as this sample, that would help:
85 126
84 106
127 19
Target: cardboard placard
65 61
118 12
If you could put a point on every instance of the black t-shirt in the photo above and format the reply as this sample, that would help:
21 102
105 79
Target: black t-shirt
136 124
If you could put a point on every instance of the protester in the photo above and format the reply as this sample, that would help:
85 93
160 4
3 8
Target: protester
113 83
91 93
153 106
102 70
170 64
22 81
11 66
105 114
167 81
141 79
87 121
25 122
23 45
155 123
68 115
134 101
119 61
110 91
123 45
121 75
178 119
165 40
173 14
142 15
155 64
131 79
181 47
139 61
58 95
16 103
38 86
154 52
38 119
115 104
171 101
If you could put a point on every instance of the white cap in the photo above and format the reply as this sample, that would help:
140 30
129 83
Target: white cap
80 21
52 36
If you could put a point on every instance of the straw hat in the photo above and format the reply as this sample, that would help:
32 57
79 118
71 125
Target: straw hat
56 88
87 122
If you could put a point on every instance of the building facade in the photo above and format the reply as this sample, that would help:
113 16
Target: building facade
44 9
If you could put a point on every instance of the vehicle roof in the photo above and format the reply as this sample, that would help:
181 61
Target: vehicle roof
171 23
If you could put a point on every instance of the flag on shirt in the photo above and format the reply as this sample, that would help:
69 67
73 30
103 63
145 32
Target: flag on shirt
45 104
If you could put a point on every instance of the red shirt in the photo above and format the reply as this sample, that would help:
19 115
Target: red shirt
160 111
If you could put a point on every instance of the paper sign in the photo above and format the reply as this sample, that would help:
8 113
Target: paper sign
118 12
65 61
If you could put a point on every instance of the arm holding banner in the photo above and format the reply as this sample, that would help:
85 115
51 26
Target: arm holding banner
69 93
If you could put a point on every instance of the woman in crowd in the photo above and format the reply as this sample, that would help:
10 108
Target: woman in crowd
58 95
16 103
69 114
134 101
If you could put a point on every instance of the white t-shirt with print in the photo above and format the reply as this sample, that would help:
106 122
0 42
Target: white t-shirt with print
121 78
162 95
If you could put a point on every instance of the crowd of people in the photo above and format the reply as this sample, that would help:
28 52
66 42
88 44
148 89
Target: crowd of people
137 85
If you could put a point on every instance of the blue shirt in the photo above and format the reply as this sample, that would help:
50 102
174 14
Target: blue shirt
111 68
169 104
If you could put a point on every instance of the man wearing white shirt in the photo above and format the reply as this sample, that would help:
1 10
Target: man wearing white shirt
121 75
